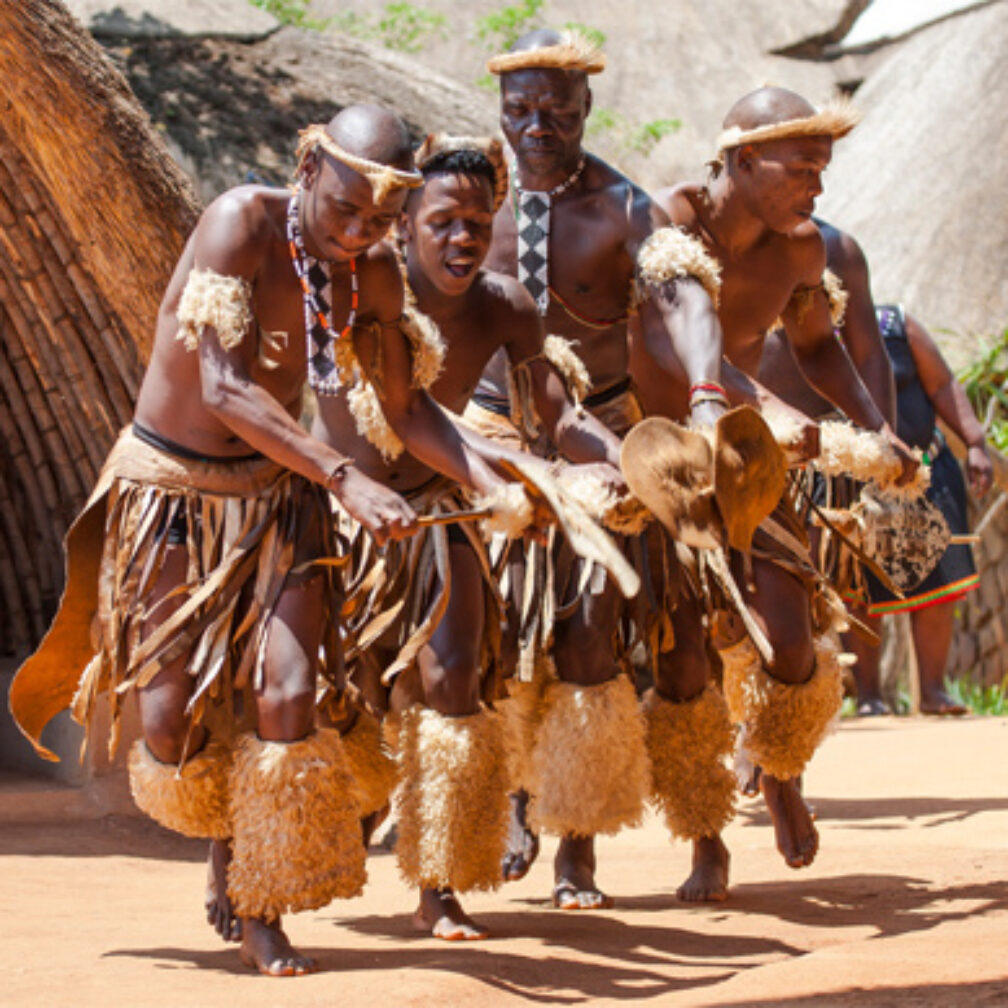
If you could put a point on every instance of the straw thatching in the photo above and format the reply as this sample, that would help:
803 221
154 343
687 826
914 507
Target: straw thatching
923 181
92 216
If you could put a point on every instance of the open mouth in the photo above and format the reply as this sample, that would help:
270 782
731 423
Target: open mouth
460 267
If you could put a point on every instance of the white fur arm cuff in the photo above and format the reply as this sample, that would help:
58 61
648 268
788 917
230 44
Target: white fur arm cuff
669 254
845 450
210 299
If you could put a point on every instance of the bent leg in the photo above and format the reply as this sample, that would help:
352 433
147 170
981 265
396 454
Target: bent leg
785 710
287 776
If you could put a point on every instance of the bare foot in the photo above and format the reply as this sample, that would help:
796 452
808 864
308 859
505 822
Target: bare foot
523 844
442 915
708 882
797 837
574 876
219 911
265 948
939 702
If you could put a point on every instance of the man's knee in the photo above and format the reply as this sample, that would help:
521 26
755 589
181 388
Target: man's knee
166 733
794 658
451 682
683 673
286 709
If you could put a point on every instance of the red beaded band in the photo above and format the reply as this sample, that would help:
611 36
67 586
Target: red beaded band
707 387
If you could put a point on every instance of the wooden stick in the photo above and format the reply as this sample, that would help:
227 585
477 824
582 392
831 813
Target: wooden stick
450 518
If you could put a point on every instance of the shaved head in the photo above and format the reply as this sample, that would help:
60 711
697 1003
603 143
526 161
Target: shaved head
541 38
374 133
767 107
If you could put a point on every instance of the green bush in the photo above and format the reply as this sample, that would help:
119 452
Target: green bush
986 385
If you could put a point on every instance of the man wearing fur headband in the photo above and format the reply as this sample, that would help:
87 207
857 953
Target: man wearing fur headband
754 219
571 231
215 577
434 664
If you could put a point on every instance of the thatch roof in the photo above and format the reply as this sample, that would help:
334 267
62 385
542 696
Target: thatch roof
92 216
923 181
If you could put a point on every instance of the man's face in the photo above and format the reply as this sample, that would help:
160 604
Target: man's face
340 218
784 177
543 114
449 228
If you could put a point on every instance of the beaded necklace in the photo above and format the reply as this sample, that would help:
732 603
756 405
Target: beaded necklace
315 276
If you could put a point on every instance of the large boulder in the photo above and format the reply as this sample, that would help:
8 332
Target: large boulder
923 181
236 19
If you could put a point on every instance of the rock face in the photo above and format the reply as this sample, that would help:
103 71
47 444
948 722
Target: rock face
923 181
236 19
678 61
231 111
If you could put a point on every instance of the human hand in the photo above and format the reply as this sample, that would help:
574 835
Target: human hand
380 510
979 470
908 459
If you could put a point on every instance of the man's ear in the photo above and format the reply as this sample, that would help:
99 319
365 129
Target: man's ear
309 170
588 101
404 227
745 157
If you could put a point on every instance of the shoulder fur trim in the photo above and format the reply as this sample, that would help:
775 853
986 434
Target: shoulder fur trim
427 348
366 409
573 52
210 299
560 353
671 253
836 295
836 120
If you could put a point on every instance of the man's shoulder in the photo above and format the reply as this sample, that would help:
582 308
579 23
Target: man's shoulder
679 202
248 208
502 298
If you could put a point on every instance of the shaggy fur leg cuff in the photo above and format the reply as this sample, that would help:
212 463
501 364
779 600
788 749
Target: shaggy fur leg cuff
689 745
297 833
192 801
522 710
588 768
371 762
783 723
452 805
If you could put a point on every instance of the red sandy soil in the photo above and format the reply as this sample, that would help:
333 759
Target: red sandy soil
907 904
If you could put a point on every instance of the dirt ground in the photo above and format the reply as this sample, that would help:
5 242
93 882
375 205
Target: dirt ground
907 904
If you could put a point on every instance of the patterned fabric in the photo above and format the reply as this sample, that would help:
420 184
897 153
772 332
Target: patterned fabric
533 246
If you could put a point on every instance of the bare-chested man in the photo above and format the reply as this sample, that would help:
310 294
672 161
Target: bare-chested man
754 217
439 655
571 231
214 579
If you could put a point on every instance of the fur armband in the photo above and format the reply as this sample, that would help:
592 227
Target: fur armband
427 351
427 348
209 299
671 253
845 450
560 353
836 295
